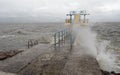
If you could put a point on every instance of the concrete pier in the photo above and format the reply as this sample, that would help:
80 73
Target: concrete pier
81 64
43 59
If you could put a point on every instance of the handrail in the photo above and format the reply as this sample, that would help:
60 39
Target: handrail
32 42
59 37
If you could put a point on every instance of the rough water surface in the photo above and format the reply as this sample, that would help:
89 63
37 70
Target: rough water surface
16 35
62 61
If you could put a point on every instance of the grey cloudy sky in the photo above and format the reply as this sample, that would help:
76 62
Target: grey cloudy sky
55 10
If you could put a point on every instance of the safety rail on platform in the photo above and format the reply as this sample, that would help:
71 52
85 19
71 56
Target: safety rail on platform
60 37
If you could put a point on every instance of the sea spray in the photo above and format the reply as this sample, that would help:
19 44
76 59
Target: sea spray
85 38
107 58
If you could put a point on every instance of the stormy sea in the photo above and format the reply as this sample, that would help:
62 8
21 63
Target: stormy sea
108 37
15 36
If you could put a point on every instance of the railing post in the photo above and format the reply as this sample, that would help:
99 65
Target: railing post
64 36
55 41
30 43
59 39
71 39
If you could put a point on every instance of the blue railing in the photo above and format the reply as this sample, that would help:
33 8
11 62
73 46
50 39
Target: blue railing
60 38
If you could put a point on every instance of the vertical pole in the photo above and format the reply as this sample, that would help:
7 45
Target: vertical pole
55 41
59 39
64 35
84 18
71 31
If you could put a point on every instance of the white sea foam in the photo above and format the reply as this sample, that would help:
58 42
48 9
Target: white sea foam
85 39
107 58
6 36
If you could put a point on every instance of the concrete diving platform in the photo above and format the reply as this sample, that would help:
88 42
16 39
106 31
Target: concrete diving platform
45 59
59 59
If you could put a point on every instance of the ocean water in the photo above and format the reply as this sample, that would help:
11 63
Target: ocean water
108 31
108 37
16 35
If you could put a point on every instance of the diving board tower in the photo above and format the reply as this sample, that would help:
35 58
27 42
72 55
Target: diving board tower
76 17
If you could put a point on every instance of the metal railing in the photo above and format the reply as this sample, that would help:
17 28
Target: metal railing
59 38
32 42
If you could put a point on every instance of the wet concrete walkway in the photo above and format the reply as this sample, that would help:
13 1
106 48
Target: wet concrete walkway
81 64
18 62
63 61
51 63
44 60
